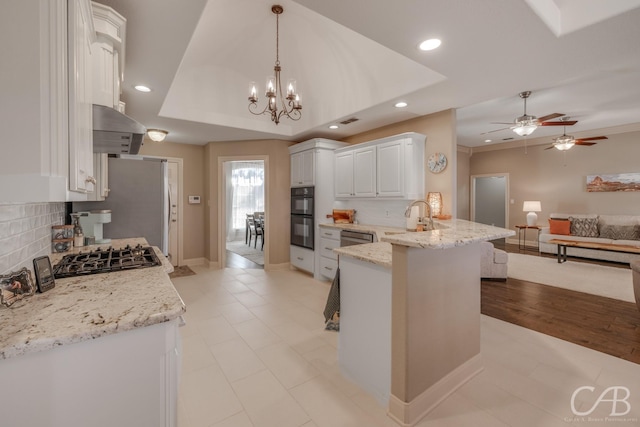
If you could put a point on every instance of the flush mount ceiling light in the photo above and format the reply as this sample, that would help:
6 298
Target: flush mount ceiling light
290 105
401 104
142 88
157 135
430 44
334 127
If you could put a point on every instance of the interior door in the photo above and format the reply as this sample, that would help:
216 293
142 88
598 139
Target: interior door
489 200
174 198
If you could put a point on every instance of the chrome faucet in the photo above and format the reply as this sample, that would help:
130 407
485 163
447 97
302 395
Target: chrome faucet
407 212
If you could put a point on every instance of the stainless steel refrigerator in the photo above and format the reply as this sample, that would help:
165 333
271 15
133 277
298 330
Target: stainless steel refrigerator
138 200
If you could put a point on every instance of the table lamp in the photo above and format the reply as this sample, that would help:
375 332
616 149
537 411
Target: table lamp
532 207
435 202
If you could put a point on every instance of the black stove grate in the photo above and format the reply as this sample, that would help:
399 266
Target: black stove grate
106 261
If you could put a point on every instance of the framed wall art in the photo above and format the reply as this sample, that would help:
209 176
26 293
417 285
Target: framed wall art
613 182
15 286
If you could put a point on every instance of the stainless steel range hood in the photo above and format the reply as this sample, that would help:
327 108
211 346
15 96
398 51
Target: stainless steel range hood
115 133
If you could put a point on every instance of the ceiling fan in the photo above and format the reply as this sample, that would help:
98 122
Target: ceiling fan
565 142
526 124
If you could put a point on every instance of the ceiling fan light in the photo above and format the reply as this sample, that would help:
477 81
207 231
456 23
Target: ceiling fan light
157 135
525 129
564 146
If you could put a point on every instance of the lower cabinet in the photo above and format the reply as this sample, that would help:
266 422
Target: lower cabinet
328 262
124 379
301 258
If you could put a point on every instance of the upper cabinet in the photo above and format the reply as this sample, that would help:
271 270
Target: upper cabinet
390 167
302 169
46 101
108 56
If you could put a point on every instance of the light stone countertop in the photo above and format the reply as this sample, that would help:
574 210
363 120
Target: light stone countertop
448 234
87 307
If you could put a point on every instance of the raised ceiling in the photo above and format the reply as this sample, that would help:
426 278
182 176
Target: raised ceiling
356 58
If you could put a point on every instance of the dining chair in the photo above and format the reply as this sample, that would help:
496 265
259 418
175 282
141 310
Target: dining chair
247 229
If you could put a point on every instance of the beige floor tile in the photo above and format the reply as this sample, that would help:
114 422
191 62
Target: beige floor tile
250 299
236 312
235 286
328 407
207 397
196 354
256 334
238 420
286 364
457 411
518 413
216 330
267 403
236 359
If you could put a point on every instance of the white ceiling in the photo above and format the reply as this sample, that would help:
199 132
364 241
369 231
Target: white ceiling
356 58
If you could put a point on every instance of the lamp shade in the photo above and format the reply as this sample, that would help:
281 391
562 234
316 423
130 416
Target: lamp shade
525 129
435 202
532 207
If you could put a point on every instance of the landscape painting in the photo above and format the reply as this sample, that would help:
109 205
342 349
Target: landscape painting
613 182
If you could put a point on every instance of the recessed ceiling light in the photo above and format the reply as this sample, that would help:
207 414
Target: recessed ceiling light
487 140
142 88
430 44
401 104
334 127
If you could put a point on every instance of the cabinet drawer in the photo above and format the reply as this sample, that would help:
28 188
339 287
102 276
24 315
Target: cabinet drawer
301 258
328 267
327 246
330 233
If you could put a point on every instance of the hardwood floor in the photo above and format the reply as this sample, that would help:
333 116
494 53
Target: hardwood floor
607 325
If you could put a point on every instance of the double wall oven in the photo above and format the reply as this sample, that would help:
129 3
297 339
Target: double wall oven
302 221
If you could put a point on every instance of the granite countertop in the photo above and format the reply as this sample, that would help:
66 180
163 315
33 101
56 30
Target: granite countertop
448 234
87 307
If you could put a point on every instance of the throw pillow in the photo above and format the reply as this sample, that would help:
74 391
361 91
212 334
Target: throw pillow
559 226
584 227
620 232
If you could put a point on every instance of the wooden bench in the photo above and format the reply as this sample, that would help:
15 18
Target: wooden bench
562 247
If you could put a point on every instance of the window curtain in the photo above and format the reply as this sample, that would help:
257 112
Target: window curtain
245 194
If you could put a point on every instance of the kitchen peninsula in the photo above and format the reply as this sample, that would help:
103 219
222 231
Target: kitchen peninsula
410 314
98 349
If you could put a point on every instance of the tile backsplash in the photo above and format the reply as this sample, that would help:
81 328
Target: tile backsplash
25 232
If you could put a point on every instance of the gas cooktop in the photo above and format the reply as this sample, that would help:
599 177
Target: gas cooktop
106 261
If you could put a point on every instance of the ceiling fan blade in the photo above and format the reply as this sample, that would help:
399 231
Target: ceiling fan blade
593 138
566 123
549 117
491 131
549 147
580 142
502 123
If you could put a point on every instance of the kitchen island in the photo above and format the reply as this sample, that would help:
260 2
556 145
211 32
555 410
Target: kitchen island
410 314
97 350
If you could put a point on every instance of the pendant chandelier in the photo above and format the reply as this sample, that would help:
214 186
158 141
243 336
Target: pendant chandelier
277 104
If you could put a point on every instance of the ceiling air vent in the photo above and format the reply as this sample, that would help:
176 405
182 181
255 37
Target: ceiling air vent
507 139
351 120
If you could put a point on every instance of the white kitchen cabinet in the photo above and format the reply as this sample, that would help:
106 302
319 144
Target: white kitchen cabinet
303 169
101 172
108 55
329 240
124 379
81 36
391 168
301 258
46 101
315 157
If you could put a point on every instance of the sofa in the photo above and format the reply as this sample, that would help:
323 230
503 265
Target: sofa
493 262
612 229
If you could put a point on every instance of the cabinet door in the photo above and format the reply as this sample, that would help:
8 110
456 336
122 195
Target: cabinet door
303 169
364 172
390 169
80 97
105 75
343 183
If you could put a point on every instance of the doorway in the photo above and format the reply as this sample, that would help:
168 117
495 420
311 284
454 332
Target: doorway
489 199
242 213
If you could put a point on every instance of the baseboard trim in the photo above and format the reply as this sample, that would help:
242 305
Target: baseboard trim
408 414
